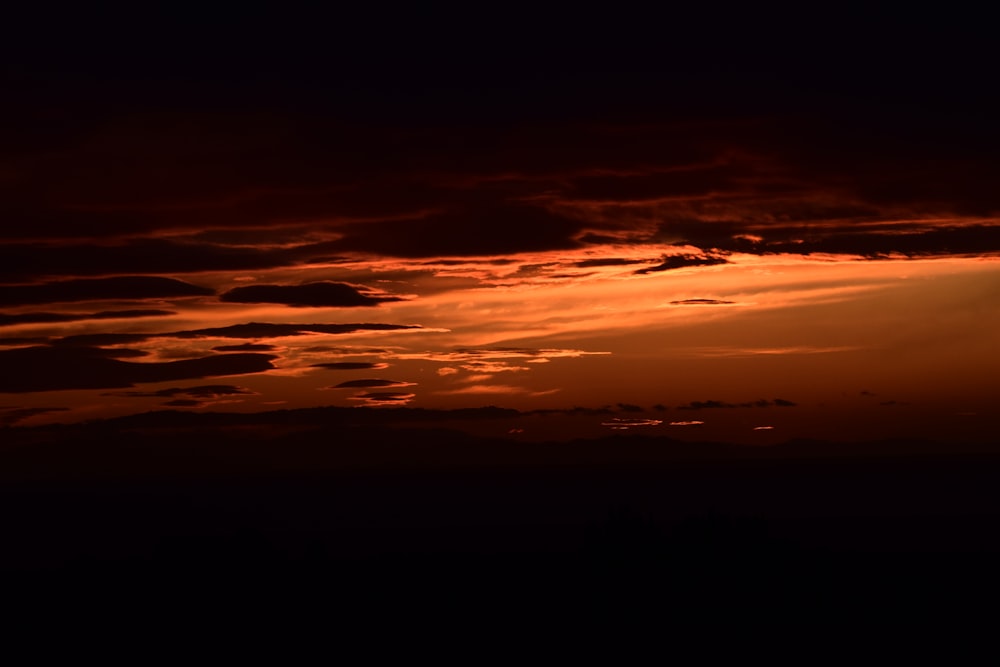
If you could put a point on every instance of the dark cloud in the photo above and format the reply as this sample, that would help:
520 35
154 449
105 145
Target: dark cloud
11 416
245 347
99 339
608 261
345 350
48 318
384 397
682 261
22 261
184 403
24 340
701 302
201 391
318 294
270 330
574 411
655 184
356 384
351 365
496 229
51 368
247 330
97 289
914 242
760 403
623 424
628 407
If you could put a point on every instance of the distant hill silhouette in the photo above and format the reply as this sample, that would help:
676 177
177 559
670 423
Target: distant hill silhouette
377 512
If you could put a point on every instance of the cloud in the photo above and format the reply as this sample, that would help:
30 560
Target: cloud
317 294
495 389
701 302
672 262
201 391
477 354
184 403
356 384
628 407
624 424
270 330
23 261
49 318
607 261
350 365
98 289
346 350
760 403
250 330
754 351
646 184
574 411
687 423
99 340
492 367
384 398
914 242
33 369
487 228
245 347
11 416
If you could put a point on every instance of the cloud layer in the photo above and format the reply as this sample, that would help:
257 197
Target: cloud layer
318 294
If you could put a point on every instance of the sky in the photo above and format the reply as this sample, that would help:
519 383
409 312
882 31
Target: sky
712 227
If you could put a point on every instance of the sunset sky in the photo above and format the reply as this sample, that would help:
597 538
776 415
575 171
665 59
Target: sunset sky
690 230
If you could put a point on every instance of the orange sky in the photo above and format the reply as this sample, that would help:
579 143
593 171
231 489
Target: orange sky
648 230
860 347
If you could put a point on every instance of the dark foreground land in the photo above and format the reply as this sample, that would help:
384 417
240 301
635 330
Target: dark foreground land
305 524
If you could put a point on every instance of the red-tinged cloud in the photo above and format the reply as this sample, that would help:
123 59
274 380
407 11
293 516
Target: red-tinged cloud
199 392
760 403
245 347
11 416
372 383
50 318
701 302
251 330
35 369
384 398
271 330
351 365
99 289
683 261
623 424
475 355
25 260
494 229
318 294
99 340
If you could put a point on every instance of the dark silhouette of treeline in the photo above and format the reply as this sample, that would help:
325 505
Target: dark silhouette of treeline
237 518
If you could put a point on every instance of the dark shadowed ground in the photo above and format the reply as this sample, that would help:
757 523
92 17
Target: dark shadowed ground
307 524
